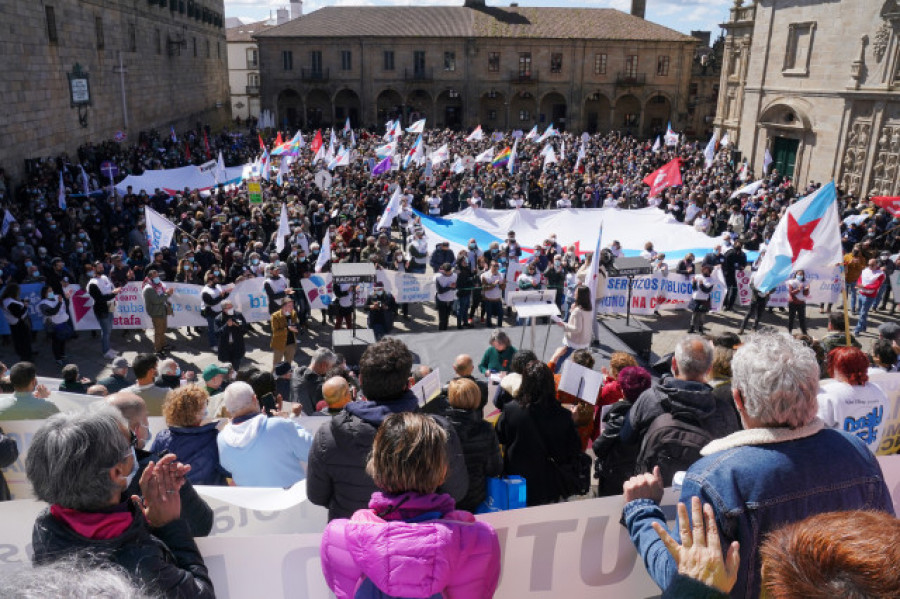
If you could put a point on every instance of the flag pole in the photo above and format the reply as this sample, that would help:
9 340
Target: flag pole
846 315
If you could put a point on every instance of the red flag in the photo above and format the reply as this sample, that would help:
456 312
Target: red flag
889 203
206 145
262 146
665 176
187 151
278 141
316 143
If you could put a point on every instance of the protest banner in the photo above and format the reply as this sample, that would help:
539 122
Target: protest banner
30 292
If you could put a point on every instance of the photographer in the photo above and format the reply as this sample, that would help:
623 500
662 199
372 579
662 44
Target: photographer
382 309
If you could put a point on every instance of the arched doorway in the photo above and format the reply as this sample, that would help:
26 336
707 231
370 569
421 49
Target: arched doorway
289 108
553 110
787 128
596 113
492 111
418 106
522 109
389 106
657 114
318 109
449 109
346 104
627 114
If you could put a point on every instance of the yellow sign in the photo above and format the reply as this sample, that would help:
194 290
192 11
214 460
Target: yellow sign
255 190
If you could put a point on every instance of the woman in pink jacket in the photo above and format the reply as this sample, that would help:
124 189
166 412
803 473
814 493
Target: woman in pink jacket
411 542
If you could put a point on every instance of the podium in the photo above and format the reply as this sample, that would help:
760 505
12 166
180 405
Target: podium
533 305
353 273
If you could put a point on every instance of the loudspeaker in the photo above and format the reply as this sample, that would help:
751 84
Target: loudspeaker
636 335
352 344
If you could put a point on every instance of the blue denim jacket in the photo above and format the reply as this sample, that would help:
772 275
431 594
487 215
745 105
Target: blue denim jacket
759 479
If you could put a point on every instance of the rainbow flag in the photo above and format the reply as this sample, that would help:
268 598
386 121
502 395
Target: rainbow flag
502 158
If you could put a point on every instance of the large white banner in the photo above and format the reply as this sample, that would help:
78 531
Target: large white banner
405 287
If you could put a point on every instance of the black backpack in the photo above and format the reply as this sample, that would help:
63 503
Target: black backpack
672 442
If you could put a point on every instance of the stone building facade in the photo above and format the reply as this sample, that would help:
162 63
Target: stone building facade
503 68
703 93
149 63
817 83
243 69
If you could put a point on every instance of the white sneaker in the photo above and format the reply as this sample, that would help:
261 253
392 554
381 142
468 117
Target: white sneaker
111 354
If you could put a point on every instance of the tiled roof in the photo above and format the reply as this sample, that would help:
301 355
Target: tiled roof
489 22
245 33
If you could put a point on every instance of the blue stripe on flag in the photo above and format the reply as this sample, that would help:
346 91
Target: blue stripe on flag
823 199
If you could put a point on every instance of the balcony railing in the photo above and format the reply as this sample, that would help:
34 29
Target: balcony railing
631 79
418 74
314 74
520 77
252 90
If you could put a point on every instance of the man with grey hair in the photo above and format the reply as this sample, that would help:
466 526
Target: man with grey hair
260 451
673 419
783 468
306 381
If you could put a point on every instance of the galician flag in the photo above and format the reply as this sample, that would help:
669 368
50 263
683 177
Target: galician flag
582 154
390 211
671 137
159 230
316 143
709 154
324 253
533 134
476 135
62 193
485 156
415 152
440 155
388 149
808 235
657 144
347 128
284 229
767 161
417 127
548 133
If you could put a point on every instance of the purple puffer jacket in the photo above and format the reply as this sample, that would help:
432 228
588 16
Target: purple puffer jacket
453 555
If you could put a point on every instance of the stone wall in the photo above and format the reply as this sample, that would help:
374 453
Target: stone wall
165 83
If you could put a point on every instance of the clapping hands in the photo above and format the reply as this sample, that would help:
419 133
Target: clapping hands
160 484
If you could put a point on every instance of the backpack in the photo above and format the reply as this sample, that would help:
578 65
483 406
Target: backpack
672 442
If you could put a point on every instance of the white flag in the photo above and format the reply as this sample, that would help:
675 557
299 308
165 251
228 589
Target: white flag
8 220
390 211
726 141
62 193
324 253
710 152
284 229
511 165
476 135
220 173
532 134
594 274
342 158
159 230
562 149
320 154
485 156
582 154
440 155
549 155
749 189
458 166
85 181
657 144
388 149
767 161
417 127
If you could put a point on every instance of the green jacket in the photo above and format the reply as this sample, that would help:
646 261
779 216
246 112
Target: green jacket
154 303
495 360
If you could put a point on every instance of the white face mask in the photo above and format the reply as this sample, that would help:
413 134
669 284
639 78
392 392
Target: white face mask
134 469
229 311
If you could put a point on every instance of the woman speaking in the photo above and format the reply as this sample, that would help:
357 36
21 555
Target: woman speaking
578 328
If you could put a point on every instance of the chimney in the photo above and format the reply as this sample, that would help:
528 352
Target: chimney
282 16
639 8
474 4
296 9
705 37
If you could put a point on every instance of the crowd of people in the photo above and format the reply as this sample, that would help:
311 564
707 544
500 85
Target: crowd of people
736 417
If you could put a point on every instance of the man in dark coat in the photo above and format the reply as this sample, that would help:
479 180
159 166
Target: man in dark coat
337 477
231 326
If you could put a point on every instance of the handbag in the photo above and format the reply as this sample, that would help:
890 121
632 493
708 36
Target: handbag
572 477
507 493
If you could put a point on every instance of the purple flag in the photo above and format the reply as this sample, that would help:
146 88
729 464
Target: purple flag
382 167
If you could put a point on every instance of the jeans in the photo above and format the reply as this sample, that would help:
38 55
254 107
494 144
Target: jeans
494 308
851 295
105 331
462 308
211 335
756 310
867 303
559 363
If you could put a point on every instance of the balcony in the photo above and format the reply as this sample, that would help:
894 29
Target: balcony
252 90
418 74
520 77
314 74
631 79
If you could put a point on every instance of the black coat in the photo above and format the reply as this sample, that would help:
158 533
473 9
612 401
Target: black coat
231 338
615 460
166 559
306 388
481 451
9 453
528 435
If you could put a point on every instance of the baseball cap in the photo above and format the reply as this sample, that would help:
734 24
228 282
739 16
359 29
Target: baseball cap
282 368
120 362
212 371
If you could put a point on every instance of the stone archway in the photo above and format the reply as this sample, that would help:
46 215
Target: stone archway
627 115
318 109
388 105
554 110
657 114
289 107
449 109
347 104
492 111
419 105
597 113
522 111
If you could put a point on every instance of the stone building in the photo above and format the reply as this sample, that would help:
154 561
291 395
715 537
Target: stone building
816 83
703 93
86 70
243 68
458 66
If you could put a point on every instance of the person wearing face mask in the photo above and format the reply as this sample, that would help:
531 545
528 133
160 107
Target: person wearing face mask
276 288
170 375
212 295
381 308
798 290
88 512
555 276
230 327
191 435
156 303
56 323
511 247
285 330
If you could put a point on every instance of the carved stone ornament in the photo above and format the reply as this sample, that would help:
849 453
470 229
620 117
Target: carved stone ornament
882 37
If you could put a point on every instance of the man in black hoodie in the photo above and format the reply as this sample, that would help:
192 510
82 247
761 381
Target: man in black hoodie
688 399
336 476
